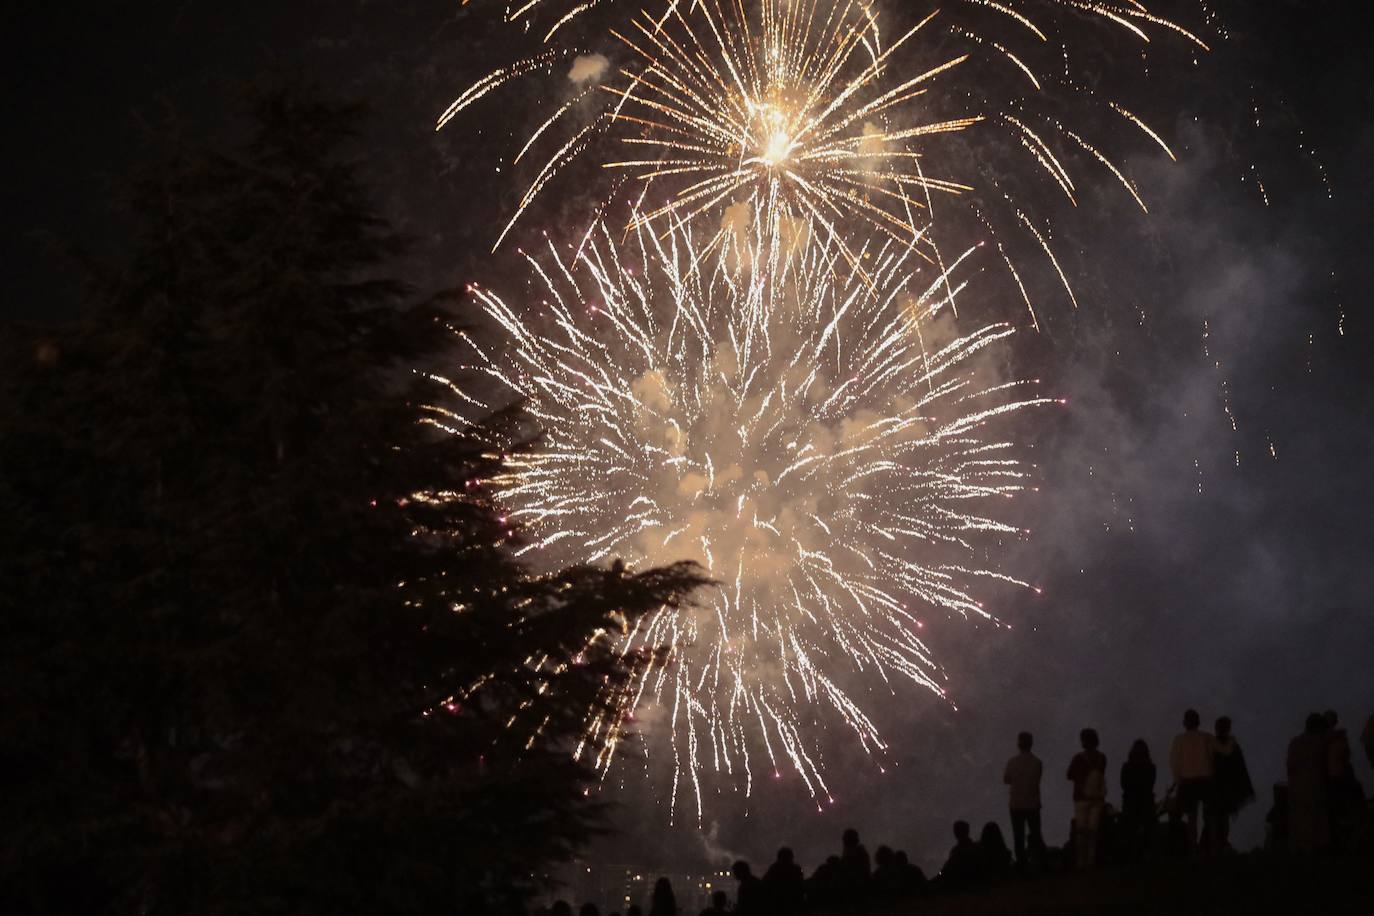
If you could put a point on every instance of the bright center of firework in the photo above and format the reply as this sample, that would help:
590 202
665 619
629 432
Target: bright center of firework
772 133
778 147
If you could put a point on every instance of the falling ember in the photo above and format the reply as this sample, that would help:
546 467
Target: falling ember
823 441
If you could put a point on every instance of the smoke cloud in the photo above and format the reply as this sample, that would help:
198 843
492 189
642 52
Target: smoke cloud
588 68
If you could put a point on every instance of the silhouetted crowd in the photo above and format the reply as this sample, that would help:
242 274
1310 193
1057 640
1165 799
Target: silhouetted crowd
1321 809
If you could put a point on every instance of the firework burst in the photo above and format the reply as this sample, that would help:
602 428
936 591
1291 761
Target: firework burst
821 439
805 109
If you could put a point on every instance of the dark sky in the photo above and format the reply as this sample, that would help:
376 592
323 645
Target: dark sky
1174 573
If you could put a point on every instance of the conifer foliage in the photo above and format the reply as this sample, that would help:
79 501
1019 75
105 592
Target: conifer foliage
265 648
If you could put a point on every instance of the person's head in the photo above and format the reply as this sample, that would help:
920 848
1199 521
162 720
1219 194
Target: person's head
740 869
589 909
785 855
1316 724
719 900
899 859
1331 718
883 856
1140 751
1223 727
850 838
561 908
1024 742
663 889
1088 738
1191 720
961 830
991 836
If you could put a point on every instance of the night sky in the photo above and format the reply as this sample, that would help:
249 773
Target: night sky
1175 573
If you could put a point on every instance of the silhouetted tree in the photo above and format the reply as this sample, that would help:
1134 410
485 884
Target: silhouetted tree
265 647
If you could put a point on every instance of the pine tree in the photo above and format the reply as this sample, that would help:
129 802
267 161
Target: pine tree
266 647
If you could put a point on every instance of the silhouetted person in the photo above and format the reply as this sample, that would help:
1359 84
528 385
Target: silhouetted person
854 864
1309 825
1337 745
1138 798
1346 793
1022 775
1088 771
718 905
1231 787
663 903
749 899
993 852
913 880
825 885
589 909
887 880
783 884
964 868
1190 763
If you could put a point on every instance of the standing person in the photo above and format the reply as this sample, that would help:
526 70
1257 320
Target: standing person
1190 762
1138 798
1309 824
855 866
1231 787
749 899
783 883
663 902
1088 771
1022 774
1346 793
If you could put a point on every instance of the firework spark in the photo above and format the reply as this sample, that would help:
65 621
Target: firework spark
821 439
